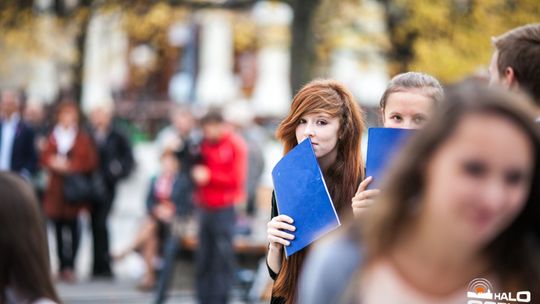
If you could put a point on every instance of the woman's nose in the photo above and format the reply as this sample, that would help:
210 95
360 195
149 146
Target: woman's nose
309 131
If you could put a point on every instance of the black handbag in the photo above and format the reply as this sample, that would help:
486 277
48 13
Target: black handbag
80 187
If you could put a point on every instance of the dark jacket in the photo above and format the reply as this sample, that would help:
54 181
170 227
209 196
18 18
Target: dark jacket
116 159
23 157
180 195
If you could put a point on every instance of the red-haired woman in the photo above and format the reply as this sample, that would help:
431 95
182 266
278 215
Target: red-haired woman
326 112
68 150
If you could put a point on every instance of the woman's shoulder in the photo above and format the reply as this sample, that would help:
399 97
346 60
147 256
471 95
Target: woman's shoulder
332 263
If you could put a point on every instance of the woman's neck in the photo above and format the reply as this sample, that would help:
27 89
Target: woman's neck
433 264
326 161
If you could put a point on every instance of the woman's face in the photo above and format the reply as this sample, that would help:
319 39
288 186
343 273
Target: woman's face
407 110
68 118
323 131
478 180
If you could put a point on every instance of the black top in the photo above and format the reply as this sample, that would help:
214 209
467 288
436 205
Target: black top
273 275
115 156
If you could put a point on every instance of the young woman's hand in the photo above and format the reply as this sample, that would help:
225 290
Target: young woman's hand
363 198
278 229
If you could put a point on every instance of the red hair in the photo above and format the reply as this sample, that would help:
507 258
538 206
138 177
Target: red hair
343 176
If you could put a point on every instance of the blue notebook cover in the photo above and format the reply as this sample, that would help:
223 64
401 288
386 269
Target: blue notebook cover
383 145
301 193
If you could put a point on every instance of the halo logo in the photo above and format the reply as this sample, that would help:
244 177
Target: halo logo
480 291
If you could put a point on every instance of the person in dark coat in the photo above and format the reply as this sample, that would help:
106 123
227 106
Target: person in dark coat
17 152
116 163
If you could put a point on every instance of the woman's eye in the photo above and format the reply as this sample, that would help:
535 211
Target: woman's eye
514 177
420 120
322 122
302 121
395 117
475 168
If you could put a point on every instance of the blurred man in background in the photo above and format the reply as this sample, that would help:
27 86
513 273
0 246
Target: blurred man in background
221 184
17 152
116 163
515 64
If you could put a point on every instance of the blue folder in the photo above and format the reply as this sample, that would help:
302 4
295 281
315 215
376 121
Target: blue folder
383 145
301 193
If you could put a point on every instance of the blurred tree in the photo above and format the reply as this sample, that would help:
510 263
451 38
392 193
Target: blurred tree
451 39
145 21
303 42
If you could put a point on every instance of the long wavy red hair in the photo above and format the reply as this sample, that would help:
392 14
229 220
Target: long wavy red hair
342 177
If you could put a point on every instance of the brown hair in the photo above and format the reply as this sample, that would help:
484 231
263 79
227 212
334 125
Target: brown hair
342 178
24 261
68 105
425 84
213 116
512 251
519 49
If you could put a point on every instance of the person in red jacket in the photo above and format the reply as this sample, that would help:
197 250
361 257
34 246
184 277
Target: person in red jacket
220 180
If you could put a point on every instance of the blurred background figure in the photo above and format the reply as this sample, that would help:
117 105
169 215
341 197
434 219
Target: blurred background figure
515 63
69 149
17 152
182 138
167 198
116 162
470 177
220 180
25 275
241 116
34 116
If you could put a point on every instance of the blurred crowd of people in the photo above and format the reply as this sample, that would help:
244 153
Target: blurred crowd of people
460 202
203 169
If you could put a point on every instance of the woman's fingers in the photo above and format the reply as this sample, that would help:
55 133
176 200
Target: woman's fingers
283 218
281 226
363 185
275 239
367 194
364 199
281 234
363 204
276 227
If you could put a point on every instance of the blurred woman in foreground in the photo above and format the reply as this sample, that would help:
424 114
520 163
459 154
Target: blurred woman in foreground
25 275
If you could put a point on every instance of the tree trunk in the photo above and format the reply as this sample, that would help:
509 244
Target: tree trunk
78 69
303 46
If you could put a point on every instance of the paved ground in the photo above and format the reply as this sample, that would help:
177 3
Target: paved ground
128 212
